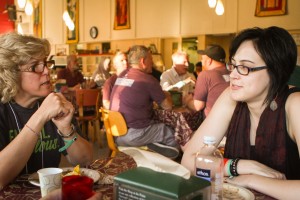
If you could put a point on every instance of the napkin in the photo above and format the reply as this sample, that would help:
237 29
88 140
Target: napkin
156 162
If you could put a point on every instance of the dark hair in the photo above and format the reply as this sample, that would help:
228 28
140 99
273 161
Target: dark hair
199 64
278 50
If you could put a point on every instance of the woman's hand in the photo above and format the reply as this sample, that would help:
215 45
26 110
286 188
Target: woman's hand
254 167
55 107
241 180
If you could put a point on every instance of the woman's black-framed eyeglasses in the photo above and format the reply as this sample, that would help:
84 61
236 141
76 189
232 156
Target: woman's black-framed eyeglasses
40 67
243 70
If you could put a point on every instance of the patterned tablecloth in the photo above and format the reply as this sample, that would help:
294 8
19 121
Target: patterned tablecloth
183 121
21 189
108 168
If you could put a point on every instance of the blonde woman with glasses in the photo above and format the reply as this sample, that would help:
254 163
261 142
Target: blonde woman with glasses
36 125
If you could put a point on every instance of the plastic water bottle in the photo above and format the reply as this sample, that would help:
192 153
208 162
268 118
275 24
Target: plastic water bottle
209 166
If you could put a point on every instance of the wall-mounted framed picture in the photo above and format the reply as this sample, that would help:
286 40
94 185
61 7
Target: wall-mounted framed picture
73 10
37 18
122 14
270 8
153 48
61 49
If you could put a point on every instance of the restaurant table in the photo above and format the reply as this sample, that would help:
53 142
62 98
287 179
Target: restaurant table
182 120
107 168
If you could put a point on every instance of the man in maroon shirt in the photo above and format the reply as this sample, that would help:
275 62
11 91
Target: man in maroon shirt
133 95
71 73
211 82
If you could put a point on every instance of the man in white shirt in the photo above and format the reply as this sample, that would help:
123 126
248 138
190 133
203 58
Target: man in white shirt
177 77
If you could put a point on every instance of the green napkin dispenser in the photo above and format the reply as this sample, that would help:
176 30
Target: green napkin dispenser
145 184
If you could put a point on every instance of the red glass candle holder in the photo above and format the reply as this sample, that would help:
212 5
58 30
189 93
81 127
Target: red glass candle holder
77 187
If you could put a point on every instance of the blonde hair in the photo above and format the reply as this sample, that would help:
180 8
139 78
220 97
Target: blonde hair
17 50
117 55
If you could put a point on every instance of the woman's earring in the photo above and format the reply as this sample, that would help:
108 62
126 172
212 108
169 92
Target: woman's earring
273 105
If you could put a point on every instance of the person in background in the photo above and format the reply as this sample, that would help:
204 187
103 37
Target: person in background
133 95
156 73
101 74
71 73
36 125
198 69
211 82
259 114
120 64
177 77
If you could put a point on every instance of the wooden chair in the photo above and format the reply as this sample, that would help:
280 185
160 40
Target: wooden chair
115 125
90 123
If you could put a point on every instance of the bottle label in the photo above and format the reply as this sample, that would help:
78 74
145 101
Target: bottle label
203 173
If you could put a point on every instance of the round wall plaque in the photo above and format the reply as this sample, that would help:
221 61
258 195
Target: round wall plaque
94 32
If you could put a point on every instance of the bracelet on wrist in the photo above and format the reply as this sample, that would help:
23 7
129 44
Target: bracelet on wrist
68 143
68 135
228 167
233 167
37 134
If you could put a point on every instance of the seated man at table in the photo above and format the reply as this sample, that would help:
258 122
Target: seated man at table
178 78
133 95
211 82
71 73
120 64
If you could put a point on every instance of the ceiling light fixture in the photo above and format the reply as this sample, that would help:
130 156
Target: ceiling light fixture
212 3
218 5
219 8
28 8
21 3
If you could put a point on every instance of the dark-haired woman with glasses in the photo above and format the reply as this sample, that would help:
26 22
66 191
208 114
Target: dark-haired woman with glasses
36 125
259 115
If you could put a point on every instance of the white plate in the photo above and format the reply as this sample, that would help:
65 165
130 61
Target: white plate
34 178
236 192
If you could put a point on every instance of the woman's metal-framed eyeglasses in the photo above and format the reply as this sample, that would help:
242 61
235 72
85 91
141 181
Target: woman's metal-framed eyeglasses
40 67
243 70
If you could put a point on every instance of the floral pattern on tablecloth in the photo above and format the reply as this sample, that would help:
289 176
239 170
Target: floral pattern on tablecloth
108 168
21 189
183 123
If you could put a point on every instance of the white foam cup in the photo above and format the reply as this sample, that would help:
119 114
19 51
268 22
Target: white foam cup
50 179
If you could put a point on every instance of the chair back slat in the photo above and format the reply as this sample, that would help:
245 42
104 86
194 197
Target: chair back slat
87 97
115 125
